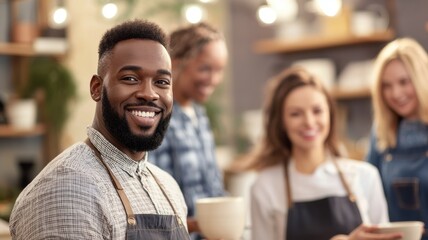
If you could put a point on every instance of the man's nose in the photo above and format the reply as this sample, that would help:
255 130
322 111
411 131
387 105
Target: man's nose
147 91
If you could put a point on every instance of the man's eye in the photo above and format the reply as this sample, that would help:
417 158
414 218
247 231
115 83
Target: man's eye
130 78
163 82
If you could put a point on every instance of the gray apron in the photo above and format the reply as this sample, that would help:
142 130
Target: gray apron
146 226
323 218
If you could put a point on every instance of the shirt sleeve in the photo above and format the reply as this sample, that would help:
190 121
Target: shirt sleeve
66 205
262 223
377 206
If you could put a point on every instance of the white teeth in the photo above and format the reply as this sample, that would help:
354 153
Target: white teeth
143 114
309 133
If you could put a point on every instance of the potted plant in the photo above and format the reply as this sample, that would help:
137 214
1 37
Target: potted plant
51 80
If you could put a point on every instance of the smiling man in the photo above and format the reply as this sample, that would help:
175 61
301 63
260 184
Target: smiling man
104 188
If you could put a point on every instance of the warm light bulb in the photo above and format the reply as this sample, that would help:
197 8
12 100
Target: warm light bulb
193 13
266 14
60 16
328 7
286 10
109 10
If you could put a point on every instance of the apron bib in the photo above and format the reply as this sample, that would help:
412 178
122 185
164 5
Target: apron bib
146 226
324 218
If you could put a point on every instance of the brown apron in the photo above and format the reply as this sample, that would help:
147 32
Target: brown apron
146 226
323 218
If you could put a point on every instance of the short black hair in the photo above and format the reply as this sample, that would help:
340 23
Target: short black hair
132 29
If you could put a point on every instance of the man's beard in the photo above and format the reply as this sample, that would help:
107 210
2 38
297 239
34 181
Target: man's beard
119 129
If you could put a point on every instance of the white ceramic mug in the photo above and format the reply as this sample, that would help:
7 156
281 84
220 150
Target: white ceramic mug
221 217
411 230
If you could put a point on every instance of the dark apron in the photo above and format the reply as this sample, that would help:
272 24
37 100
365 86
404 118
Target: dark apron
146 226
405 178
324 218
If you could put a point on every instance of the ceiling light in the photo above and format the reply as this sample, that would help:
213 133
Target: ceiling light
266 14
193 13
109 10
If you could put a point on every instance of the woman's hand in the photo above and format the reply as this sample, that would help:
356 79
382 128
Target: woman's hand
364 232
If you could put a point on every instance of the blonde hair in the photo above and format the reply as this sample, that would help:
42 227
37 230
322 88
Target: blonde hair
276 145
415 60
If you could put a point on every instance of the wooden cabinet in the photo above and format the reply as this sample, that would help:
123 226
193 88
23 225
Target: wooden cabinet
8 132
314 44
354 105
270 46
20 54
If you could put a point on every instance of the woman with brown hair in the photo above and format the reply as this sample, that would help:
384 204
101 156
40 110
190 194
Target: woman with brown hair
305 190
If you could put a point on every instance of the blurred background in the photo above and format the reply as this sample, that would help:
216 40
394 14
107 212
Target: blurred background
48 53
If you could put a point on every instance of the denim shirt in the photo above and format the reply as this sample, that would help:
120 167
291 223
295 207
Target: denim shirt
403 171
188 154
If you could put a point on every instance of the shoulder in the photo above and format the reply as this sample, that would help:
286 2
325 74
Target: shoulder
71 171
64 190
268 178
268 191
357 167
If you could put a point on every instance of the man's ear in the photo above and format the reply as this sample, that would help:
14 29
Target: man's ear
95 87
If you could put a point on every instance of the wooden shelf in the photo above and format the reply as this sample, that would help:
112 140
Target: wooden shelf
16 49
344 94
287 46
7 131
22 49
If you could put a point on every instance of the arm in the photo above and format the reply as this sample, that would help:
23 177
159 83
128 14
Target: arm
262 223
377 206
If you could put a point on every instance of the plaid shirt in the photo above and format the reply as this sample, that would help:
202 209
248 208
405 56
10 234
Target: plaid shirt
188 154
74 198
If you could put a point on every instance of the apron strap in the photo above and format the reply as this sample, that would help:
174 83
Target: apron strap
351 196
123 198
166 196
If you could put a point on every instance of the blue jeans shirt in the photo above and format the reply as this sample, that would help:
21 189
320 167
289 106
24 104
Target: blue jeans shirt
404 173
188 154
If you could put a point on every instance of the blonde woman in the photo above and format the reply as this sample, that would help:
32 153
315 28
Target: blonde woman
305 190
399 144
